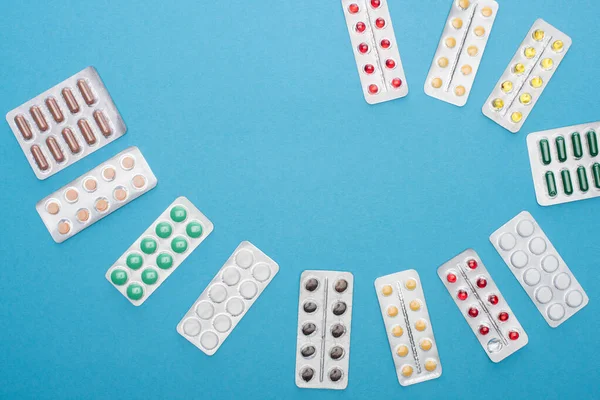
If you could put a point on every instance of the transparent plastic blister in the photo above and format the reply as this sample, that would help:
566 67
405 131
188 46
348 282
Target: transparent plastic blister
408 327
66 123
324 325
539 268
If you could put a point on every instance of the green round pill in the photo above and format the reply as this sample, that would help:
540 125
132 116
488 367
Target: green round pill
194 229
179 245
163 230
178 214
118 277
135 261
164 261
149 276
135 291
148 245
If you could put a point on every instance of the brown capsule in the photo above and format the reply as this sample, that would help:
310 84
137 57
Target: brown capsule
55 149
54 109
39 157
38 117
69 138
102 123
23 126
86 131
67 95
86 92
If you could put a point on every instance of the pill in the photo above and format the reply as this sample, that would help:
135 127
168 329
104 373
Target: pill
410 284
443 62
101 205
53 207
537 246
102 123
507 241
582 178
338 330
484 330
407 370
339 308
529 52
525 228
248 290
86 131
519 259
311 285
464 4
209 340
561 149
574 298
83 215
472 51
547 64
551 184
120 193
550 263
457 23
135 261
70 100
596 172
538 35
556 312
402 351
519 68
545 151
460 90
310 307
86 92
397 331
39 157
64 227
436 83
525 99
222 323
543 294
192 327
341 285
486 12
260 272
497 104
425 344
55 149
244 259
70 140
592 141
392 311
503 316
516 117
450 42
336 352
205 310
39 118
479 31
466 69
557 46
308 351
164 229
430 365
577 148
23 126
472 264
54 109
481 283
462 295
493 299
118 277
335 374
421 325
532 276
235 306
108 173
513 335
562 281
231 276
415 305
307 373
387 290
566 180
473 312
380 23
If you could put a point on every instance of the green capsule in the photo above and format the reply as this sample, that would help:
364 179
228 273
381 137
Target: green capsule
118 277
179 245
592 143
135 261
149 276
566 179
545 150
148 245
551 183
163 230
596 172
178 214
561 149
164 261
582 177
135 291
577 148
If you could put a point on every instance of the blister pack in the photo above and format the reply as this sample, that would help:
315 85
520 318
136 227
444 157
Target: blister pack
157 253
460 50
227 298
375 50
539 268
566 155
526 76
482 305
66 123
91 197
324 325
408 327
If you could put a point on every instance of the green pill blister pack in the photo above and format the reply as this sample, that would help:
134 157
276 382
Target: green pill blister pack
159 251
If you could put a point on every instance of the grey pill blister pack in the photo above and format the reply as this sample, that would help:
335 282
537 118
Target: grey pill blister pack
227 298
565 163
66 123
324 326
460 50
408 327
159 251
539 268
526 76
482 305
96 194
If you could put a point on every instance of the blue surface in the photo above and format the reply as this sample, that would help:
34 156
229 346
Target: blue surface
253 110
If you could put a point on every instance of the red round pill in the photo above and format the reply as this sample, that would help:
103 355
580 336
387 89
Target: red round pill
513 335
380 22
473 312
385 43
481 283
396 83
484 330
503 316
353 8
373 89
390 63
363 48
462 295
451 277
472 264
360 27
493 299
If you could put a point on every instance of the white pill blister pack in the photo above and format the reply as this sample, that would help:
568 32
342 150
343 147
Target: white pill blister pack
460 50
526 76
324 325
539 268
565 163
408 327
227 298
482 305
375 50
66 123
157 253
94 195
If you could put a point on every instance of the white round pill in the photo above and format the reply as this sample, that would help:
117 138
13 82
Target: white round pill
519 259
532 277
222 323
543 295
550 263
205 310
209 340
507 241
556 312
192 327
537 245
248 290
574 298
244 258
562 281
235 306
217 293
525 228
261 272
231 276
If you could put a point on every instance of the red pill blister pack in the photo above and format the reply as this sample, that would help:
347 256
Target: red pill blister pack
483 306
66 123
375 50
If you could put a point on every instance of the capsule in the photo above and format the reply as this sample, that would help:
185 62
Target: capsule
39 118
86 131
551 184
55 149
23 126
39 157
545 150
67 95
86 92
566 180
102 123
54 109
582 177
592 143
561 149
577 148
69 138
596 173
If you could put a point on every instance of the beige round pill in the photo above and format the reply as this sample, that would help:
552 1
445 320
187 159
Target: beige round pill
426 344
101 205
436 83
407 370
109 173
83 215
402 350
460 90
127 163
443 62
466 69
457 23
479 31
464 4
486 11
120 194
420 325
430 365
472 51
64 227
410 284
71 195
415 305
387 290
450 42
90 184
53 208
397 331
392 311
139 181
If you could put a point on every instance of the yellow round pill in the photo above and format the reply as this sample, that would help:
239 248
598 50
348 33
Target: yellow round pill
519 68
397 331
497 104
387 290
407 371
507 86
430 365
558 45
420 325
436 83
538 35
457 23
460 91
536 82
392 311
450 42
529 52
479 31
466 69
402 350
486 11
547 63
472 51
464 4
415 305
525 98
443 62
426 344
516 117
410 284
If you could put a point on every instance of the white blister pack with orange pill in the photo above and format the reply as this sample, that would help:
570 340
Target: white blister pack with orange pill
482 305
539 268
227 298
324 325
408 327
94 195
460 50
526 76
375 50
66 123
157 253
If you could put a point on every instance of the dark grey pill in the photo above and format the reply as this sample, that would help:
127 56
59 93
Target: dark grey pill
309 328
307 374
341 285
308 351
310 307
335 374
311 285
338 330
339 308
336 352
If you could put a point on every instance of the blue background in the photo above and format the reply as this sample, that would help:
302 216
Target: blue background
253 110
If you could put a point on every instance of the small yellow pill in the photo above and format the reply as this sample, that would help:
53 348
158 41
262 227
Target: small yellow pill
519 69
479 31
466 69
392 311
407 371
387 290
507 86
472 51
443 62
547 63
430 365
457 23
558 45
525 98
410 284
402 350
486 12
450 42
426 344
460 91
436 83
497 104
516 117
536 82
464 4
529 52
415 305
420 325
397 331
538 35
